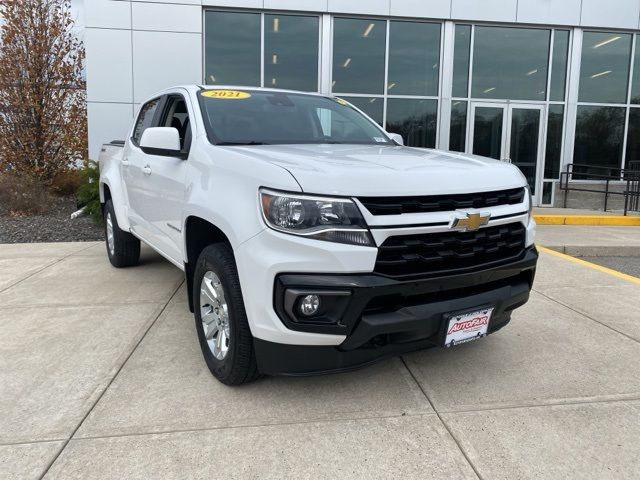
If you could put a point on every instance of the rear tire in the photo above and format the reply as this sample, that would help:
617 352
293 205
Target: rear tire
221 320
123 248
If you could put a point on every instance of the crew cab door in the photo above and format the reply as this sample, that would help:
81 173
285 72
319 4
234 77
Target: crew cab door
164 180
133 178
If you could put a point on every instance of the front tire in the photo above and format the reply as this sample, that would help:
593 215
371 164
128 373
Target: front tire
123 248
221 320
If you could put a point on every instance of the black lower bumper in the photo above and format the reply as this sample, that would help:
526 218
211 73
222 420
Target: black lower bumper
383 317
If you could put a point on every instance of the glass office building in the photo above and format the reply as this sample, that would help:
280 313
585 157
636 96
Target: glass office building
542 94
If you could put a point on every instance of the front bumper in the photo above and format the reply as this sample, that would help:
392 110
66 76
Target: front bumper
385 317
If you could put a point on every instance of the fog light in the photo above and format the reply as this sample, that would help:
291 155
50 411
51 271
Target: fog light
309 305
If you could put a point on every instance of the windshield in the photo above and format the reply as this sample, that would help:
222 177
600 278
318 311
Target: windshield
250 117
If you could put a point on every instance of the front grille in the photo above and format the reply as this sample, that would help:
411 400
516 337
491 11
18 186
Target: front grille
450 252
441 203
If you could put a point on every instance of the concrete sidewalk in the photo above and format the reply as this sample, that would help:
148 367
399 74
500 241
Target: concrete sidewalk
101 377
591 241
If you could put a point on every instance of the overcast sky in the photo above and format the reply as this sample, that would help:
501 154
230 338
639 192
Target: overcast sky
77 7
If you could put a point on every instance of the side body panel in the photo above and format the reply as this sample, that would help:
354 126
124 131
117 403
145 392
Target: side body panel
110 161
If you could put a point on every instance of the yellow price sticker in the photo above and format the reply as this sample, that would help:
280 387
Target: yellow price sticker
226 94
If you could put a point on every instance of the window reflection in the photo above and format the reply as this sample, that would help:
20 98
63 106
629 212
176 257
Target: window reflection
554 142
415 120
525 135
458 132
547 193
461 54
358 55
487 131
599 136
232 48
633 140
605 67
291 52
510 63
559 65
414 58
372 106
635 91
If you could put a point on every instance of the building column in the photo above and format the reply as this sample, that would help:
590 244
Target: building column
446 85
573 72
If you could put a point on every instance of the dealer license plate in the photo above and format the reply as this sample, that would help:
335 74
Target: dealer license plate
465 327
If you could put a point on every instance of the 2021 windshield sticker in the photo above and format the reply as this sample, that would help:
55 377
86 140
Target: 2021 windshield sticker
226 94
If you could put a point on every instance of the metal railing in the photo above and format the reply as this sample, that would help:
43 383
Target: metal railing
629 177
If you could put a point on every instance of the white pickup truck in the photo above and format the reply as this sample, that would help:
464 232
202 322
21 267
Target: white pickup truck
312 240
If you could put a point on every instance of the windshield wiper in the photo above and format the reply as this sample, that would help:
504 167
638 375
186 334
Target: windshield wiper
242 143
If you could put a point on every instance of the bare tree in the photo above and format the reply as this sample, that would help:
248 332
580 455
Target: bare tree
42 89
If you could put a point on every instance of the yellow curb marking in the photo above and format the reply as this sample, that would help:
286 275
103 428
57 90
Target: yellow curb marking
600 268
596 220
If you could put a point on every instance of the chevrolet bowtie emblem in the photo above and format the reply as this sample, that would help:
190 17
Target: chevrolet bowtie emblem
472 222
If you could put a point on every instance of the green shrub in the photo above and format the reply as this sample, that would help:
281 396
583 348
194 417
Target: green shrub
23 195
89 193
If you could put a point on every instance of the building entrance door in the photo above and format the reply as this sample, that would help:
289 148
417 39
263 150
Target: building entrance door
512 132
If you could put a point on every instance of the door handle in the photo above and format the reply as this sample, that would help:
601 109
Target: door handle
125 162
147 170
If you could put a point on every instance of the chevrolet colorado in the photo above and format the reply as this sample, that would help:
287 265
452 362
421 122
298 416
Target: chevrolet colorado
312 240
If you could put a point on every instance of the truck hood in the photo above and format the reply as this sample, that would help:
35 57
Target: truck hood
371 170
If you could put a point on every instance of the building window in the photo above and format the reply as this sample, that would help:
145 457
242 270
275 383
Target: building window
232 48
415 120
358 55
599 136
458 131
409 60
510 63
487 138
554 142
414 58
291 52
604 72
635 91
559 65
461 59
633 140
372 106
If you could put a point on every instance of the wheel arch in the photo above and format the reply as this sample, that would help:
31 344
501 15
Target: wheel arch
110 191
198 234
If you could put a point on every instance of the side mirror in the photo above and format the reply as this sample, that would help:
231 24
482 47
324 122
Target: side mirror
163 141
396 138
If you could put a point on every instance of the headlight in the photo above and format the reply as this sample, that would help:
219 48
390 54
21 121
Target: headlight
530 197
331 219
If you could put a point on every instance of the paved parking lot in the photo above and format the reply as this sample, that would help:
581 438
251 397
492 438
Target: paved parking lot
101 377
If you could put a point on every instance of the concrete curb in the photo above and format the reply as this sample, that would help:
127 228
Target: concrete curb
594 220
